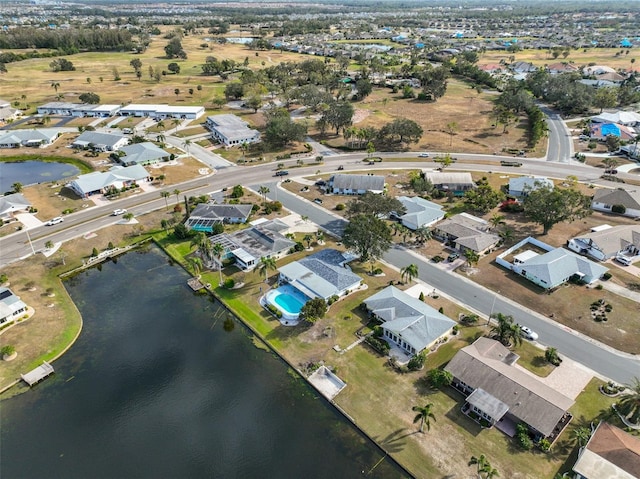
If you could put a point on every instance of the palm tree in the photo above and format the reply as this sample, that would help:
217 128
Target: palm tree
506 330
161 138
308 239
629 403
177 193
481 462
424 415
472 257
496 220
423 234
187 145
304 218
506 234
165 195
218 251
264 191
55 85
265 265
320 237
17 187
161 124
196 265
582 435
409 272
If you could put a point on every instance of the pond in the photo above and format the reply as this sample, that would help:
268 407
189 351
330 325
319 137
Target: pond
33 172
165 383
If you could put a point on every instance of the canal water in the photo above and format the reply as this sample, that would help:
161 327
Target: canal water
32 172
166 384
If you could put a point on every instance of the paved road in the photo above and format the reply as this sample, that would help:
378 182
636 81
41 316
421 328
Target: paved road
560 142
619 367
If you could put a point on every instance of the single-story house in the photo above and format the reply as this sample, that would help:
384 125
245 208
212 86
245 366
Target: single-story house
406 321
63 108
204 216
611 453
561 67
99 182
597 70
6 112
626 118
504 395
145 153
456 183
342 184
263 239
11 306
554 267
523 185
466 231
161 112
100 141
523 67
230 130
321 275
420 212
600 131
626 201
41 138
631 150
12 203
607 243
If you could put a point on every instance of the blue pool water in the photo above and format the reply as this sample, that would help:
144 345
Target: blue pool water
289 299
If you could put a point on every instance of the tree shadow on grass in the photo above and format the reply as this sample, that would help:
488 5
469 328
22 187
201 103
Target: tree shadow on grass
539 362
395 441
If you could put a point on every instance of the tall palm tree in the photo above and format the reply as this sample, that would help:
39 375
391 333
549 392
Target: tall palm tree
265 265
506 330
424 415
55 85
196 265
423 234
409 272
496 220
203 244
264 191
629 403
218 251
161 138
177 193
308 238
165 195
187 145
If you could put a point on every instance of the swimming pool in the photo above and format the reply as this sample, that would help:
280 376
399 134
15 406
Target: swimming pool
288 300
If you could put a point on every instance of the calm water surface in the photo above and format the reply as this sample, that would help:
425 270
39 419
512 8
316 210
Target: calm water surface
32 172
159 385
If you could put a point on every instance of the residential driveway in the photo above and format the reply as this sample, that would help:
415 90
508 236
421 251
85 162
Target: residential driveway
28 220
570 378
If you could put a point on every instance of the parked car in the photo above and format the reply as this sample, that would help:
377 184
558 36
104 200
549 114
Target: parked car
320 183
118 212
423 155
281 173
527 333
127 131
452 257
340 168
610 172
623 260
318 200
54 221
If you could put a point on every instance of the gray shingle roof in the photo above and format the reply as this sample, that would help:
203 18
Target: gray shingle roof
220 212
420 211
97 180
357 182
628 198
558 264
416 322
13 202
612 240
485 364
22 136
142 153
323 273
97 138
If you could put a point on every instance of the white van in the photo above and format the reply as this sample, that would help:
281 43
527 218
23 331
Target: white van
624 260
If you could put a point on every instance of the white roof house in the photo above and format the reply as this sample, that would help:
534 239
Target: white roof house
64 108
407 321
230 130
145 153
524 184
420 212
41 137
627 118
321 275
162 111
100 141
11 306
98 182
344 184
9 204
605 199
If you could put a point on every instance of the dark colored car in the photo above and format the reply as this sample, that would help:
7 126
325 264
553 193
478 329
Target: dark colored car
281 173
453 257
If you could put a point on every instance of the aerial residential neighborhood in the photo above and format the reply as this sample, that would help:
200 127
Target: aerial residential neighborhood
400 235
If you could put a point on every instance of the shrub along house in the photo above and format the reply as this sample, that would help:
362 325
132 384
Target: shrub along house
497 393
406 321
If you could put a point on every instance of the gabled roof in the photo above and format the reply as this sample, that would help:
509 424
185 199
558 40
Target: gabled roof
13 202
220 212
630 199
9 302
323 273
468 231
488 365
621 117
614 239
97 138
99 180
420 211
259 240
21 136
358 182
611 453
447 178
558 264
418 323
142 153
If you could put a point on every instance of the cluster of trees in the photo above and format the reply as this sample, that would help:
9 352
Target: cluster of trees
67 41
465 66
61 65
89 97
213 66
433 81
516 100
280 130
174 49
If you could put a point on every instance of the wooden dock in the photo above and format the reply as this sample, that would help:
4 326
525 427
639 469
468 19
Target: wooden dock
195 284
38 374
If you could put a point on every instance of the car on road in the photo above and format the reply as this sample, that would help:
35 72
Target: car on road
340 168
54 221
453 257
423 155
118 212
610 172
318 200
527 333
281 173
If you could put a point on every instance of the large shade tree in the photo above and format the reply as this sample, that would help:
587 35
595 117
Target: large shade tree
549 206
368 236
376 205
